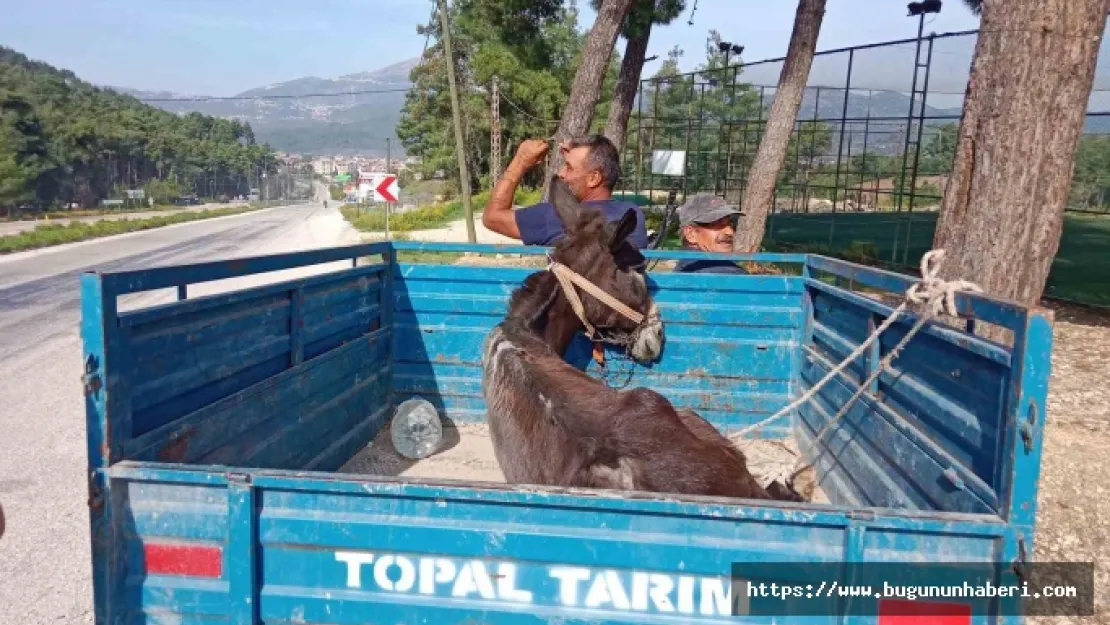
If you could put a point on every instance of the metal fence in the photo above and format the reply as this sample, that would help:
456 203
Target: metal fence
870 152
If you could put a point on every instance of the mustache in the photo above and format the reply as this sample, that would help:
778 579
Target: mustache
724 239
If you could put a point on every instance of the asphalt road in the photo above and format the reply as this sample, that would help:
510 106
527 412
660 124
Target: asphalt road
15 227
44 554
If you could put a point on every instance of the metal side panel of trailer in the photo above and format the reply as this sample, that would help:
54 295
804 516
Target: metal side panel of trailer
216 425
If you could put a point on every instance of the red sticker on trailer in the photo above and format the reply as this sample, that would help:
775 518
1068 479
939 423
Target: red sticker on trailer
188 560
904 612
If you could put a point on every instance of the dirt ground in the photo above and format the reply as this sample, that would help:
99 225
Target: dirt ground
1073 504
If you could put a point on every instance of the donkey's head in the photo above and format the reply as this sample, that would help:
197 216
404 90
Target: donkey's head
596 251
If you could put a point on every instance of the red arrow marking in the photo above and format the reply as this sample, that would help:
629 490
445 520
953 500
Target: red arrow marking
383 189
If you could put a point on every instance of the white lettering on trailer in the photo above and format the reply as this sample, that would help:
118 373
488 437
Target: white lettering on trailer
578 586
408 573
354 566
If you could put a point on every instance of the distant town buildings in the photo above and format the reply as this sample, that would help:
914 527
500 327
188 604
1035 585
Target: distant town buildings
351 165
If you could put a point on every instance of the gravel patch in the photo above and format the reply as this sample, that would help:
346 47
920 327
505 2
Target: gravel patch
1073 503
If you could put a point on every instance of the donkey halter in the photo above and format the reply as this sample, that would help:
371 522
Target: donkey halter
568 278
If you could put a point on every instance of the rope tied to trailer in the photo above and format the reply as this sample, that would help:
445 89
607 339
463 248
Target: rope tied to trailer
936 296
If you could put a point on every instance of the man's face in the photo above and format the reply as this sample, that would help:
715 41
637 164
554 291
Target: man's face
577 173
712 237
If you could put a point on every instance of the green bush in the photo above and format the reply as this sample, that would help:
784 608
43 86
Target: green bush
163 191
864 252
528 197
423 218
427 217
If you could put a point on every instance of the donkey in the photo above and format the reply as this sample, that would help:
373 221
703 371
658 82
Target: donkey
551 423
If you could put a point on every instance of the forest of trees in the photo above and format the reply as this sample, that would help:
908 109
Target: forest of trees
64 141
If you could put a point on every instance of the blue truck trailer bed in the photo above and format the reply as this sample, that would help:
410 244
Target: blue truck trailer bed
217 426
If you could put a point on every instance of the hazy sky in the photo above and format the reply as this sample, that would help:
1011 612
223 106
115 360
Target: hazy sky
222 47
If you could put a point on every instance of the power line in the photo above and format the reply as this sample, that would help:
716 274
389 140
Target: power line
424 52
526 113
276 97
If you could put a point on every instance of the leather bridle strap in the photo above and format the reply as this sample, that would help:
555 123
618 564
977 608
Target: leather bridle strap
568 278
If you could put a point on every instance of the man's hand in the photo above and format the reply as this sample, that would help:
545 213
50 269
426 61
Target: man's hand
531 153
499 216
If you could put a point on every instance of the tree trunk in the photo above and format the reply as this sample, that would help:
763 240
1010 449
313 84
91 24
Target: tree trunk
625 92
1003 206
587 80
764 173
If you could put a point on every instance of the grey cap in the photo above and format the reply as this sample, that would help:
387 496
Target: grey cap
705 208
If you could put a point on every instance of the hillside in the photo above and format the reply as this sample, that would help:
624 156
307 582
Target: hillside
879 117
63 140
333 123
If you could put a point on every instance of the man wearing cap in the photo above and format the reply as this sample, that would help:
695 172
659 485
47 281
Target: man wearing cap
706 225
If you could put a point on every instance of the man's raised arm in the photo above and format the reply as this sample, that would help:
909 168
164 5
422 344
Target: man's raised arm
498 215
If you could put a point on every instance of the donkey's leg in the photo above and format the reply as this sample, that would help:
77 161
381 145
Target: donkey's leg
594 466
705 431
624 474
783 492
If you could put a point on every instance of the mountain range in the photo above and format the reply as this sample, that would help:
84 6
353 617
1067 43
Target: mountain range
877 117
327 121
338 116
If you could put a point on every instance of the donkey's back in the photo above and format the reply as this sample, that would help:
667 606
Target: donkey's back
553 424
654 447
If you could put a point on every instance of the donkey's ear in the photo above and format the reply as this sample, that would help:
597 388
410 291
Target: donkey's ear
566 205
623 228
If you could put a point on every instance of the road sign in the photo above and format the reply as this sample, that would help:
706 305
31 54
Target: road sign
668 162
387 188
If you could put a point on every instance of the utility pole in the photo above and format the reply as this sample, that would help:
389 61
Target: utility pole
494 134
464 176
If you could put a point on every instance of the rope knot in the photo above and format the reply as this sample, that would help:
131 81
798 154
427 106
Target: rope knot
938 294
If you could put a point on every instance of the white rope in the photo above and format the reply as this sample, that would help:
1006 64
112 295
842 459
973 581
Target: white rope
567 276
938 295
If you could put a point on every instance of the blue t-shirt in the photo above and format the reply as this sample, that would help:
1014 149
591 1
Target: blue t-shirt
708 266
540 225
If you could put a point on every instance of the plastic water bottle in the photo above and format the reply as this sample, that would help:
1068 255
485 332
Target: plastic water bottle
416 430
